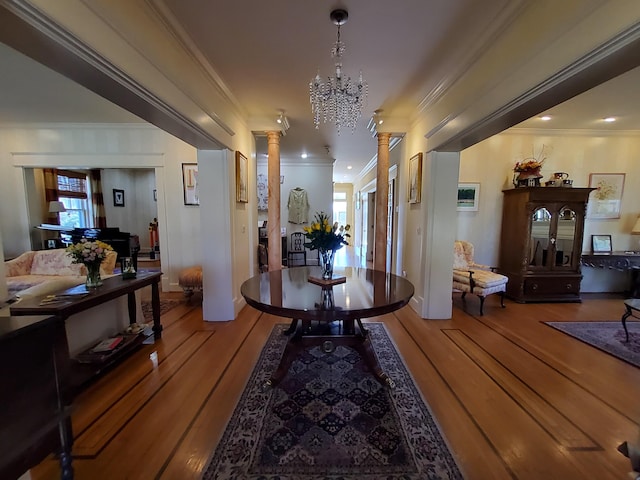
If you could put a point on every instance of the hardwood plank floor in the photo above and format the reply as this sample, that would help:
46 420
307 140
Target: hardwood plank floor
515 399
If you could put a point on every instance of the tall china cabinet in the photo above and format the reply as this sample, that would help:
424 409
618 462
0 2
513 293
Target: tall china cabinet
541 242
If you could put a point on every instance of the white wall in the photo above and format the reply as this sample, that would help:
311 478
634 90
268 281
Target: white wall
316 179
578 153
139 207
101 146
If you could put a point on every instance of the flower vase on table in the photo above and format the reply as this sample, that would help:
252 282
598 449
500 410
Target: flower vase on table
94 279
326 262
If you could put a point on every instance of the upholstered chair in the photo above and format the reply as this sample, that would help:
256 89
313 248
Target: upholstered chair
471 277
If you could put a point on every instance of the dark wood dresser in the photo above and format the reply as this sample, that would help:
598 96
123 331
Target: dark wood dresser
541 242
34 399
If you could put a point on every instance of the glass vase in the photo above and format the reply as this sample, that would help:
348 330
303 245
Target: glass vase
326 263
93 275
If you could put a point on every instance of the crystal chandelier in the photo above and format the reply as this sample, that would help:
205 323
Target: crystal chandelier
339 99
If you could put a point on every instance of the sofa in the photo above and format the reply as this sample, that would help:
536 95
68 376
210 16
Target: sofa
44 272
37 267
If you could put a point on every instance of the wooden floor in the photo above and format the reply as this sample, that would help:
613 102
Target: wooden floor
514 398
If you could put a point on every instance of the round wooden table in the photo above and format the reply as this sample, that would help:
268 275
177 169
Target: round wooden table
327 315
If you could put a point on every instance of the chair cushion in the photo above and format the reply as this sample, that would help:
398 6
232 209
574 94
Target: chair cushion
54 262
191 277
482 278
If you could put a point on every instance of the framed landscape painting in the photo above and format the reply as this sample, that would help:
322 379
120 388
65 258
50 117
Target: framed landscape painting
468 197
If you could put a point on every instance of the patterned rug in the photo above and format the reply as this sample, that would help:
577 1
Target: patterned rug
607 336
330 419
166 304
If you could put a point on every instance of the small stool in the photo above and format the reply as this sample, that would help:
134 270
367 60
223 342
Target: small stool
190 279
631 305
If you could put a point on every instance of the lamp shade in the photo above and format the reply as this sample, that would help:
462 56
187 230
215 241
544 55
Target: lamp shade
636 228
57 207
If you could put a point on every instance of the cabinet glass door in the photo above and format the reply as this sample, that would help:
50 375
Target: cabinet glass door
565 238
539 242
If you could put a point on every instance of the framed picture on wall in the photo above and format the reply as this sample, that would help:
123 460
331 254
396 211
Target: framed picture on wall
242 178
415 178
468 197
605 200
601 244
190 183
118 197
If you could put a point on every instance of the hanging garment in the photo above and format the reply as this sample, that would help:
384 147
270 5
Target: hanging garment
298 206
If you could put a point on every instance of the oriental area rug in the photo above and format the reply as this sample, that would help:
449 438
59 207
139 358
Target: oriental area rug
330 419
166 304
607 336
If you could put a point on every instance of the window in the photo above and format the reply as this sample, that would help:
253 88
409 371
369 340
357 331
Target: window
73 192
340 207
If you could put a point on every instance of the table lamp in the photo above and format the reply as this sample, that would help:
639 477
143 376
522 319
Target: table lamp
55 208
636 228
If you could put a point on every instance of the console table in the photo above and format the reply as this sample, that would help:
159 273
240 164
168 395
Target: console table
35 398
621 261
112 288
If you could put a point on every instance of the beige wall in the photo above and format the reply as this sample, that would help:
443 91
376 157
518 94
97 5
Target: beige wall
578 153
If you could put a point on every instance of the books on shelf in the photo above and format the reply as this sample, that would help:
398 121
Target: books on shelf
108 345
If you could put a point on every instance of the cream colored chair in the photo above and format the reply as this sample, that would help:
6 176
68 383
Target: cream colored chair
468 276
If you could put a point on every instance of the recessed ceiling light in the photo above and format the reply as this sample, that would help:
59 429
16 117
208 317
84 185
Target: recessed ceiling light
610 119
545 118
349 167
380 122
304 155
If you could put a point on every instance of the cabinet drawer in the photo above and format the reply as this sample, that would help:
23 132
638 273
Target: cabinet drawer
550 285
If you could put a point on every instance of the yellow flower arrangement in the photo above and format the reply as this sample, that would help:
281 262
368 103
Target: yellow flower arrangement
323 235
88 253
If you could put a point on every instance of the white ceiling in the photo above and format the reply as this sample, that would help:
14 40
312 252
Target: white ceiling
267 59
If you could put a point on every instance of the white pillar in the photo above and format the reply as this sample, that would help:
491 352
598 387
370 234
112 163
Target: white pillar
216 175
439 197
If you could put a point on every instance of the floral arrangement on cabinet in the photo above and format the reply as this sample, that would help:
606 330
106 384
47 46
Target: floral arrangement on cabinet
529 168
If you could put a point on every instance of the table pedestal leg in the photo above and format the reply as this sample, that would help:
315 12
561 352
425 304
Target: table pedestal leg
361 342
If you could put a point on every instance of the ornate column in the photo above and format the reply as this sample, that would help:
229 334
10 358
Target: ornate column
273 214
382 192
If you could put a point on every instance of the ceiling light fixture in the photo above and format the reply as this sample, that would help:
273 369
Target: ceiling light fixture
339 99
610 119
304 155
283 122
374 121
545 118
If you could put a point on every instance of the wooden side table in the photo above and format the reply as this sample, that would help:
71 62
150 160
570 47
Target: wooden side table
631 305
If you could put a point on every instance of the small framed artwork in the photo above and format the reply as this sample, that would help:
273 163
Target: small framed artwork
190 183
468 197
605 200
415 178
601 243
118 198
242 178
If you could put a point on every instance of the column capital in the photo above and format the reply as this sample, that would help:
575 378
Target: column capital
273 136
383 138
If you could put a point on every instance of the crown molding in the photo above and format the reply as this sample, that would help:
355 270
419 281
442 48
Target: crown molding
373 163
570 132
457 69
175 29
67 43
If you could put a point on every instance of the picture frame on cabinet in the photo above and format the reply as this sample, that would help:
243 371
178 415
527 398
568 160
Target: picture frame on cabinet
468 197
118 197
242 178
601 244
605 200
190 183
415 178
